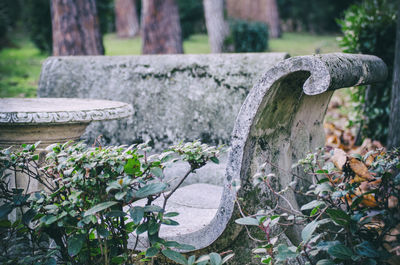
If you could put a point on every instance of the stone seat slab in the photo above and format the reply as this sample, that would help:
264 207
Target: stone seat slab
196 204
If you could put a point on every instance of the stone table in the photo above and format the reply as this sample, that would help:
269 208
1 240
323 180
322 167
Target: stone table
52 120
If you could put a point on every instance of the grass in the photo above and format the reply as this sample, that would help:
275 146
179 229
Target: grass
303 43
20 70
20 66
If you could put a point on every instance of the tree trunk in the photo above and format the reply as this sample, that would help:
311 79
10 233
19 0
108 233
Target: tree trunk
161 30
272 18
257 10
217 27
394 119
126 19
75 27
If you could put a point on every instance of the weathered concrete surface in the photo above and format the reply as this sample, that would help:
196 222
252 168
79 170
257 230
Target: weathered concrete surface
197 204
175 97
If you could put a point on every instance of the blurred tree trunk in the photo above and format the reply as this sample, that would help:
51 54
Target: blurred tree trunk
394 119
257 10
126 19
217 27
161 30
75 27
272 18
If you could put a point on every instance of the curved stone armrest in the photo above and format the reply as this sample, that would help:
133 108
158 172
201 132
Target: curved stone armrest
280 121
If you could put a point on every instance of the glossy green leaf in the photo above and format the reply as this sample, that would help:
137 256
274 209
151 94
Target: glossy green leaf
308 231
247 221
28 216
215 259
325 262
367 249
101 231
340 251
5 209
152 208
152 251
312 205
137 214
75 244
191 260
99 207
153 228
120 195
132 166
171 214
285 253
156 171
215 160
227 258
175 256
151 189
339 216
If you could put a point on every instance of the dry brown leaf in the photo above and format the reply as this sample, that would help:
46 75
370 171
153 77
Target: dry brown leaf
360 169
369 200
357 179
339 158
364 186
333 141
370 159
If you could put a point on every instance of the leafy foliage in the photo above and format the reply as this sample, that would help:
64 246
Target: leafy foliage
20 243
247 36
370 28
191 17
9 13
313 16
106 13
38 23
352 214
86 204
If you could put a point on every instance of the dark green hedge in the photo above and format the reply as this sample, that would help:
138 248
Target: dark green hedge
248 36
37 20
370 28
313 15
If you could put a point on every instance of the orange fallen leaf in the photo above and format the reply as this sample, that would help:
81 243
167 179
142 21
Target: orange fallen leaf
360 169
357 179
369 201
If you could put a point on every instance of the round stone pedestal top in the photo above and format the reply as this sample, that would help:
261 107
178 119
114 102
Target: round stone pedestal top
60 110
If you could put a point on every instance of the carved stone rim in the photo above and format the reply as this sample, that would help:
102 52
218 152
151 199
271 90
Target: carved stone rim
37 111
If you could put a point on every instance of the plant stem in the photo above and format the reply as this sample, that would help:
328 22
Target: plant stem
176 187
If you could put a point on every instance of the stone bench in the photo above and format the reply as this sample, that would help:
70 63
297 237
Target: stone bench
280 120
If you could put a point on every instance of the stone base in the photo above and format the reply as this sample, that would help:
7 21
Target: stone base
17 134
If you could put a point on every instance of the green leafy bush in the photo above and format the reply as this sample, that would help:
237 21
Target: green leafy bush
86 206
352 214
191 16
38 22
370 28
313 16
9 14
247 36
106 13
